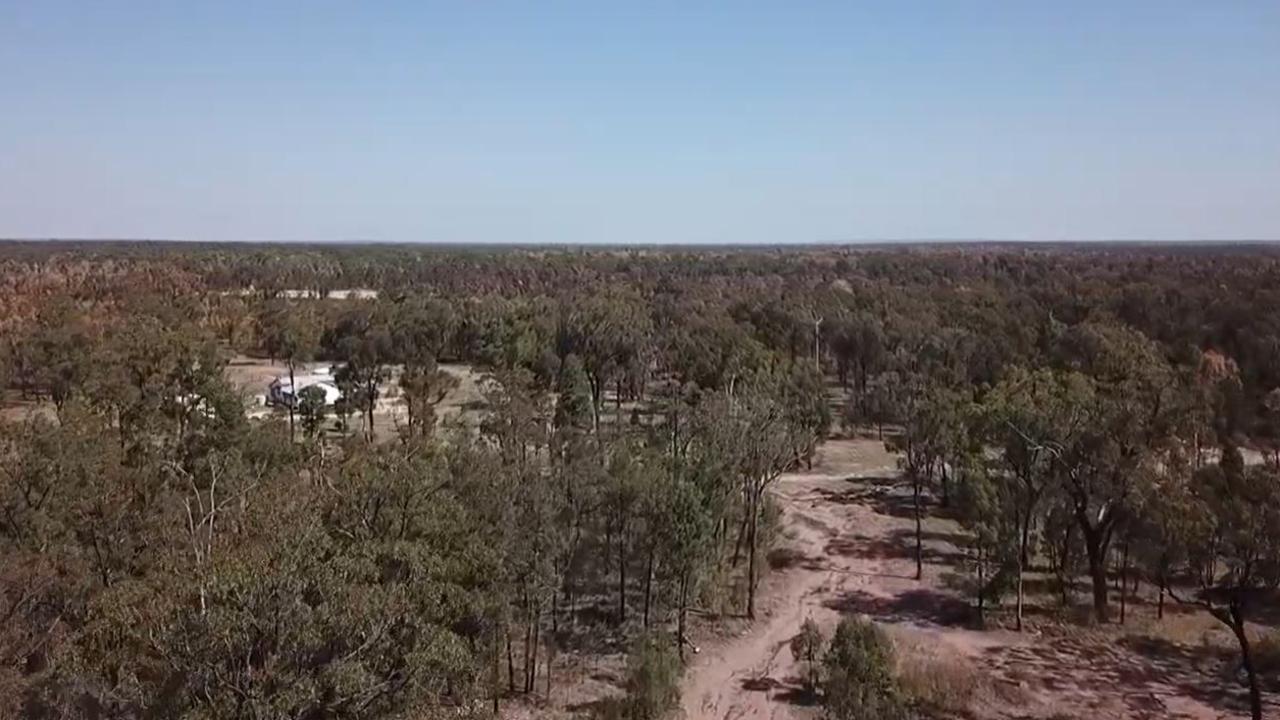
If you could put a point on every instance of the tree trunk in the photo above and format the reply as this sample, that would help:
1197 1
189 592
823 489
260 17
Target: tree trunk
751 555
1236 622
680 616
982 588
550 659
528 643
1018 616
675 428
497 670
648 587
1023 542
533 657
370 388
622 575
1024 549
555 612
743 531
511 664
946 487
595 409
1124 580
1064 566
1160 602
293 403
1097 553
915 492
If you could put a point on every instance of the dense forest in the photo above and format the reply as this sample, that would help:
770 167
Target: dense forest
1107 415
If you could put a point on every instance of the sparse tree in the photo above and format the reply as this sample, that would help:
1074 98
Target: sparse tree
806 648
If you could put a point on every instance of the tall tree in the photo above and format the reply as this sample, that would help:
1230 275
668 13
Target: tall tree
1228 530
424 385
1120 414
291 332
1023 417
763 419
362 341
931 420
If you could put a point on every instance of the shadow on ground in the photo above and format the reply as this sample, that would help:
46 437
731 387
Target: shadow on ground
921 607
1142 672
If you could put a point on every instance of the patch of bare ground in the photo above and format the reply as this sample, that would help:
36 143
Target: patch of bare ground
847 547
252 375
14 408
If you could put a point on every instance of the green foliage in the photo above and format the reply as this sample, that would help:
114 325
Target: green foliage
988 508
573 396
1064 402
806 648
878 402
857 669
653 679
424 385
312 407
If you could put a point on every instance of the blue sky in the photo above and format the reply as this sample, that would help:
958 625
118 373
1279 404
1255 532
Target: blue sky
640 122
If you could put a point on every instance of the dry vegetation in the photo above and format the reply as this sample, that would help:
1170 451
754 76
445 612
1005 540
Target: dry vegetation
620 483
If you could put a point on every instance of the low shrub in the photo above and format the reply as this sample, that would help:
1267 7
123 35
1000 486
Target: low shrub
858 680
653 679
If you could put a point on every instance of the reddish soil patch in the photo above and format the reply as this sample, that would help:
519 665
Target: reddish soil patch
847 549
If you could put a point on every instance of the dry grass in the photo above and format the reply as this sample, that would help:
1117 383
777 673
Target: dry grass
938 679
1187 627
1266 658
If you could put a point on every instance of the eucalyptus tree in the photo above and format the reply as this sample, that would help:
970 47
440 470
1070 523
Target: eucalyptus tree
1122 413
988 507
925 443
312 407
362 341
710 352
611 334
687 526
765 420
424 385
879 404
1225 528
61 350
1023 417
290 332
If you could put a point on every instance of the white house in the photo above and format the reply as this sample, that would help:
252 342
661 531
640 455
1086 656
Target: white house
281 392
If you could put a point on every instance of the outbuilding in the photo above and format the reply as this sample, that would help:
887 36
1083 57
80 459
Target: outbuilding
281 391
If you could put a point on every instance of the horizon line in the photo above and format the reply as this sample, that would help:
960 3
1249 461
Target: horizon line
870 241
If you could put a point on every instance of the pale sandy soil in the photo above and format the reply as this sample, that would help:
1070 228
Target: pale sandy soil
347 294
252 375
14 409
847 549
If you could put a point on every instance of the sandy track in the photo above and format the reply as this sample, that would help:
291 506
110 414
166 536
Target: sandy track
845 550
754 676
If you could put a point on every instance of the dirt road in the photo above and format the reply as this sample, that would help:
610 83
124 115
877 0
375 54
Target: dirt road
847 549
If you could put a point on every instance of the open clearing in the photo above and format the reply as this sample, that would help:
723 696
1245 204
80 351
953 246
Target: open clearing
847 548
251 376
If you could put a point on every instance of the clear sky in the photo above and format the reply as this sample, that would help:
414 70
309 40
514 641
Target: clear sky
480 121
